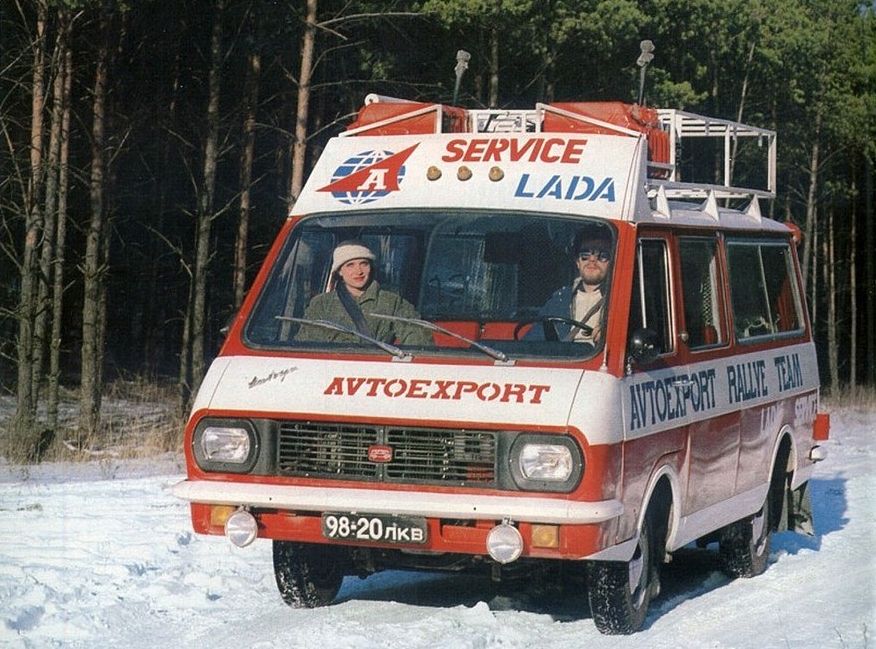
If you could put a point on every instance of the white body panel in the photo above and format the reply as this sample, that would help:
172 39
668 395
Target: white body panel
390 390
606 409
666 398
589 174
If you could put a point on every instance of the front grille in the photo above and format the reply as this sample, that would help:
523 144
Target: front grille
340 450
420 455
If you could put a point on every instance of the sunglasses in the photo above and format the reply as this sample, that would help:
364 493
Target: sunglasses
600 253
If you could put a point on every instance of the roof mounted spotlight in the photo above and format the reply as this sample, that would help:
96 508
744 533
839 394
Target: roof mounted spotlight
462 59
644 59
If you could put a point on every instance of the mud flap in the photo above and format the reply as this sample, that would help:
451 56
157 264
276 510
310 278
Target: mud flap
797 511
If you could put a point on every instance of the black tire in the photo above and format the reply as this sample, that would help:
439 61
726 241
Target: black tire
744 546
620 593
307 575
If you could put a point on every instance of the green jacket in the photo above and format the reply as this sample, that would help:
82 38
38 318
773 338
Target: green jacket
327 306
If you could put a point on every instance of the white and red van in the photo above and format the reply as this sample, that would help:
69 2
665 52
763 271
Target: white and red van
505 444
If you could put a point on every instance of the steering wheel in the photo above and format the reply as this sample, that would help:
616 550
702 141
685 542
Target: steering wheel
549 325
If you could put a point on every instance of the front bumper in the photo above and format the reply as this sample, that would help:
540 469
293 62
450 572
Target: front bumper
403 503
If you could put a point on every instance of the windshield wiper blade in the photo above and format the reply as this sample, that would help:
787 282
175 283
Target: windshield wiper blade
489 351
334 326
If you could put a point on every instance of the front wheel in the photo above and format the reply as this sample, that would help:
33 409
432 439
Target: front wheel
744 546
307 575
620 593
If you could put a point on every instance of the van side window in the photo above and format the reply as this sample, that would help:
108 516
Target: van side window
650 308
700 290
763 291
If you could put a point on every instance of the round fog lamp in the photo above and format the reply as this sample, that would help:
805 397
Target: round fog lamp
504 543
241 528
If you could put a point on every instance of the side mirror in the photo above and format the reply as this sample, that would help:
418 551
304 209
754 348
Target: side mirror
224 329
644 346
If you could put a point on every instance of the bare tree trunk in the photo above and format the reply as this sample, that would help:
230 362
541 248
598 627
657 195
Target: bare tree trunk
829 265
870 271
549 77
101 308
90 390
184 386
299 146
252 98
774 121
206 204
25 407
718 164
478 83
494 66
853 287
183 378
60 243
548 47
742 96
281 160
811 207
47 252
813 286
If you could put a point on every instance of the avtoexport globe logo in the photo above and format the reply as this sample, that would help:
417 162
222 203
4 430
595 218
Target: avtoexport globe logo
374 185
367 176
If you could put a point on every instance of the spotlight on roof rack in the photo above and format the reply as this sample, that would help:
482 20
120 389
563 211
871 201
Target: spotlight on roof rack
644 59
462 59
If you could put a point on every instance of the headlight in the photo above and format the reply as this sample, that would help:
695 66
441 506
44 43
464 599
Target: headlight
225 444
550 462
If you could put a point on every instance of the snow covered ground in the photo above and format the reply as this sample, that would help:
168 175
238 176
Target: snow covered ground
101 555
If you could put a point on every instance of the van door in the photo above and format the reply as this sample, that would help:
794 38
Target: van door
657 418
768 324
714 440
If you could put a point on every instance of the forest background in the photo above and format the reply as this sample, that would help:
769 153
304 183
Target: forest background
150 151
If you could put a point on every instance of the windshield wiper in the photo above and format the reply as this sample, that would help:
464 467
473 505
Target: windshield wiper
334 326
489 351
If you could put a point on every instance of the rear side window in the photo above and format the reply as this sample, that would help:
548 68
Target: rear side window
700 289
763 290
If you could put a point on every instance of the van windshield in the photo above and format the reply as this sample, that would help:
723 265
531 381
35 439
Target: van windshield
503 284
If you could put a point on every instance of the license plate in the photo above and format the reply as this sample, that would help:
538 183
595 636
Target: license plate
374 527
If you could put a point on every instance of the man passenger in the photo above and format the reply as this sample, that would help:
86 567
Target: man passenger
584 300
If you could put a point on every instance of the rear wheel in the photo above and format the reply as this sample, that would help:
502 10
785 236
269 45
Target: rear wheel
307 575
744 546
620 593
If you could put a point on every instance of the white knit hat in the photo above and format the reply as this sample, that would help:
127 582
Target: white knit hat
347 251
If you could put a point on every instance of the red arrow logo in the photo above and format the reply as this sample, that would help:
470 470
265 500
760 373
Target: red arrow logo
379 177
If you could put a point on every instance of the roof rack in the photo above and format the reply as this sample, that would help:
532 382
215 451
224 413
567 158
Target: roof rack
495 120
682 125
668 130
485 120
